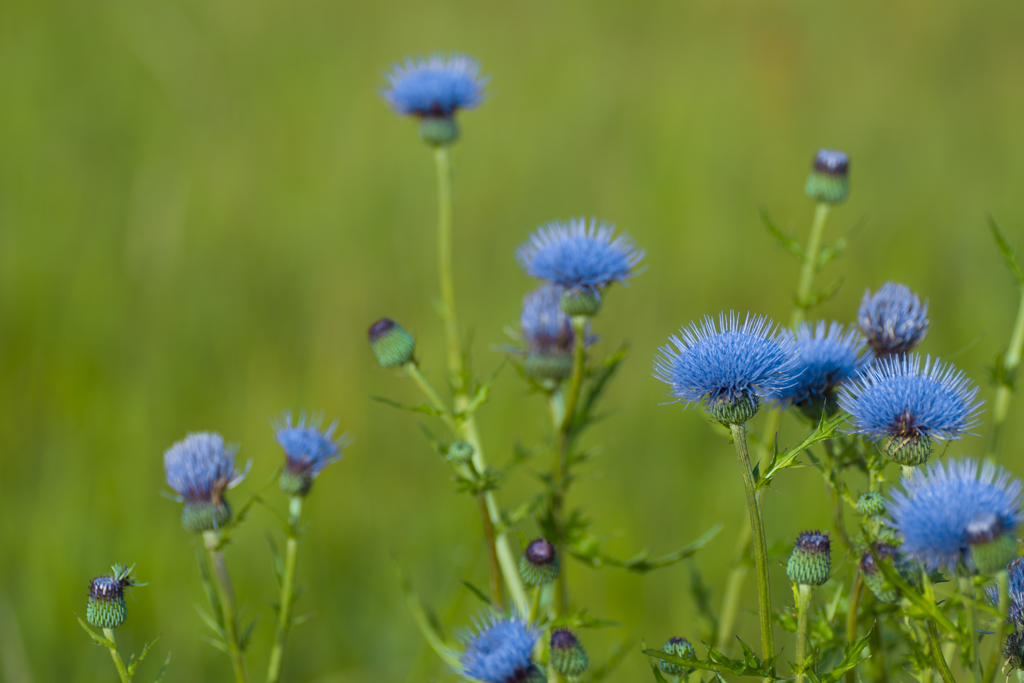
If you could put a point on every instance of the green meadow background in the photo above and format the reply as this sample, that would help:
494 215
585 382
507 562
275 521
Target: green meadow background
205 203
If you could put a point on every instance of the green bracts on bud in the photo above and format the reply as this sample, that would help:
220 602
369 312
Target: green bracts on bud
871 504
810 563
680 647
830 189
733 412
585 303
106 612
567 655
393 346
539 563
991 557
540 365
295 483
439 131
909 451
883 590
459 452
199 516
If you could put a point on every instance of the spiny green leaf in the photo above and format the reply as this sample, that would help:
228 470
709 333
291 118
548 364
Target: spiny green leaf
428 626
826 429
1008 252
851 658
422 408
163 669
100 640
595 558
133 664
785 241
480 397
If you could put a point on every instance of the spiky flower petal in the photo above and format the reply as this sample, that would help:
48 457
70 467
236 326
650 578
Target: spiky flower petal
939 511
580 258
500 650
307 451
826 357
730 368
893 319
434 87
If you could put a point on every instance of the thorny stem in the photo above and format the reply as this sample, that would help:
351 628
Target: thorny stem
851 619
803 599
1005 392
810 267
739 436
284 615
1003 580
940 660
211 539
492 552
122 671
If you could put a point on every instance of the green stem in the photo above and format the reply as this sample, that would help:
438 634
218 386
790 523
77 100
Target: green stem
211 539
122 671
739 436
535 604
442 155
803 599
967 589
1005 392
412 369
284 616
497 593
851 619
734 588
940 660
1003 580
810 267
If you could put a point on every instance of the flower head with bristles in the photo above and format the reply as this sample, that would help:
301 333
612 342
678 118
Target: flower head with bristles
907 405
200 468
893 319
730 368
1015 592
434 86
955 510
106 607
500 650
580 258
547 333
307 449
826 357
810 563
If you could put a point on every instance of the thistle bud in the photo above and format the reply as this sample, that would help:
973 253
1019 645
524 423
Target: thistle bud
567 655
828 180
393 346
1013 652
731 411
584 302
106 607
908 451
992 548
539 563
874 578
439 131
680 647
548 365
459 452
871 504
810 563
202 515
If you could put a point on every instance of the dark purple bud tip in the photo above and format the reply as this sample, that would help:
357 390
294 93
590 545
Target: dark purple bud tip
540 551
814 541
831 162
106 588
867 560
380 328
563 639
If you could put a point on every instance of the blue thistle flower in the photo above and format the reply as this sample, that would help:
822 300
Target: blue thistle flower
307 451
825 359
731 368
956 511
893 319
200 469
898 401
433 90
500 651
580 258
1016 592
548 334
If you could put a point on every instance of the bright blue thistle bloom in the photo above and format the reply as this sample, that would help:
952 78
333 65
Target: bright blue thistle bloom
825 359
500 651
546 327
939 514
893 319
580 258
200 467
434 87
731 368
1016 592
897 400
307 451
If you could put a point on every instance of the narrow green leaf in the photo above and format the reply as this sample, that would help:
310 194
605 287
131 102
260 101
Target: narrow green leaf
217 643
483 393
478 593
215 625
134 664
1008 252
640 564
784 240
100 640
423 621
163 669
422 408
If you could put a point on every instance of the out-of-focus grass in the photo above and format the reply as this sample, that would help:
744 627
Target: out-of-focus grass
203 204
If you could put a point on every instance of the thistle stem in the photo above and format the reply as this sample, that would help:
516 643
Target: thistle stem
851 619
940 660
535 604
497 593
122 671
972 630
734 587
810 266
739 436
284 616
1003 580
803 600
1005 392
211 539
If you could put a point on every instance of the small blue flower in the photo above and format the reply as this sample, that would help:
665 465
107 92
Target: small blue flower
500 651
434 87
894 320
737 363
199 467
937 513
896 397
825 359
307 449
546 327
831 161
578 257
1016 592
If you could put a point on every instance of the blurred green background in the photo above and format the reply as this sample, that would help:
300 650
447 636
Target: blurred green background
205 203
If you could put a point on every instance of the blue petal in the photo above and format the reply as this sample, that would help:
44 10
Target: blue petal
434 86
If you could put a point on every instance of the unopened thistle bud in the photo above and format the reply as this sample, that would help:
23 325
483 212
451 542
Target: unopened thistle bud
106 607
583 302
393 346
810 563
732 411
828 180
459 452
874 578
908 451
992 546
680 647
871 504
567 655
539 563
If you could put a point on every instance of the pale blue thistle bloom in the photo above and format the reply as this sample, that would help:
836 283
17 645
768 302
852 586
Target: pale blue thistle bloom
434 87
826 357
500 651
938 510
1016 592
734 364
897 397
307 449
546 327
893 319
200 467
579 257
